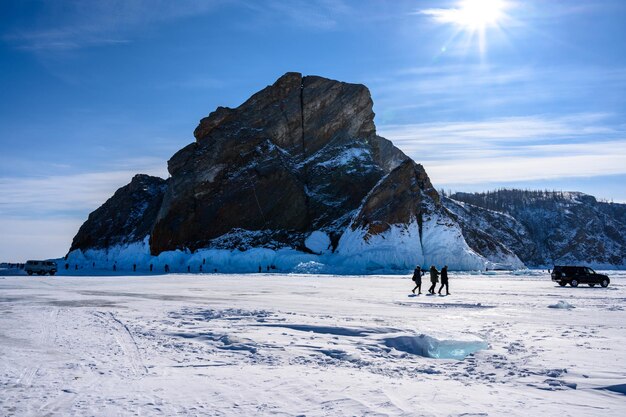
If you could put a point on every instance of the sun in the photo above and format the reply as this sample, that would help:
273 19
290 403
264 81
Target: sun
474 19
479 14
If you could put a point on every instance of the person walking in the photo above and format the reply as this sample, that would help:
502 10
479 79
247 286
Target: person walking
444 280
434 279
417 279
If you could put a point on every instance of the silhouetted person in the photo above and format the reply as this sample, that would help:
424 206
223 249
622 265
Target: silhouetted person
260 269
268 268
203 261
444 280
167 268
434 275
134 267
67 266
188 268
200 268
115 267
75 267
93 264
417 279
150 267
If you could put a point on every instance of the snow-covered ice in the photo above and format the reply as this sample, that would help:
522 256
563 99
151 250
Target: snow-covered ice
314 345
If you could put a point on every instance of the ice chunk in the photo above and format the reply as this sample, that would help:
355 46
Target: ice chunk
429 347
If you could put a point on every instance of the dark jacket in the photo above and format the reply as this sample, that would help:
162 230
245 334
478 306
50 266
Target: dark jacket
444 275
434 275
417 275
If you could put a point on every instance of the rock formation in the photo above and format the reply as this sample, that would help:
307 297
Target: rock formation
296 157
126 217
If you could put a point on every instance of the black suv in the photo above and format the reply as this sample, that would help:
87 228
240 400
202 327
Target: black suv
574 275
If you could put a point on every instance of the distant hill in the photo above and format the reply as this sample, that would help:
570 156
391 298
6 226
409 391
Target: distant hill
544 228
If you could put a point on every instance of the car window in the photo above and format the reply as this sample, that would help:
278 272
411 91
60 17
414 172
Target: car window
590 271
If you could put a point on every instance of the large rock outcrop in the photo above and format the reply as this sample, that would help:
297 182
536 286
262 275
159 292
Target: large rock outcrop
298 156
297 166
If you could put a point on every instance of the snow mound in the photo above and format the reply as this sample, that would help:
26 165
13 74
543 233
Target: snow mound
429 347
563 305
318 242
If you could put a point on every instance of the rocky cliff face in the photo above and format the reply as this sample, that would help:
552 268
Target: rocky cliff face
546 228
126 217
298 156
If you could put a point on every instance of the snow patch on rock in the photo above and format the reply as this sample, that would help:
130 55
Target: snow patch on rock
397 248
443 244
318 242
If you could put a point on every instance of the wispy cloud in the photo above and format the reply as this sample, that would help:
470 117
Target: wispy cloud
515 148
448 91
72 195
71 25
499 130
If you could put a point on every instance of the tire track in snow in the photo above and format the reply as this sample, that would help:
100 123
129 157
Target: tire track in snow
126 341
47 325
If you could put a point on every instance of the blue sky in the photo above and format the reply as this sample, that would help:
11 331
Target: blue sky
95 91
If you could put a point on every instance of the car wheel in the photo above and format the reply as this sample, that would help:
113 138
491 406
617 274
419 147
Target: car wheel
592 285
574 283
52 273
562 283
605 283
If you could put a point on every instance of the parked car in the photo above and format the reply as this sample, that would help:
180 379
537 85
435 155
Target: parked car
40 267
574 275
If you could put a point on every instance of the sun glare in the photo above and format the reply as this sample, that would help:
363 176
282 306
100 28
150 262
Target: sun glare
474 19
479 14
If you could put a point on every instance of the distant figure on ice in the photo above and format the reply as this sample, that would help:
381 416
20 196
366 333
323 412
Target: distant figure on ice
188 268
115 267
434 279
200 268
93 264
167 268
150 267
134 267
67 266
260 269
444 280
417 279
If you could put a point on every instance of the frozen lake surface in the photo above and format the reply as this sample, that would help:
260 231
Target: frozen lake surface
288 345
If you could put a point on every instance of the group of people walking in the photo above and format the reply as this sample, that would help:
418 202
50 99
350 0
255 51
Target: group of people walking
434 279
